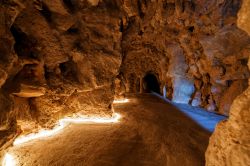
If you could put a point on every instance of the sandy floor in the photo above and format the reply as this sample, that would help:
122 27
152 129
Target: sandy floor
151 132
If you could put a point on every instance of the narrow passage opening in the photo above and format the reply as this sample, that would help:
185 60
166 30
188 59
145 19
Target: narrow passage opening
150 83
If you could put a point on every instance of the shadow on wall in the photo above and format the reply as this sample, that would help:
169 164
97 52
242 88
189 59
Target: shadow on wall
150 83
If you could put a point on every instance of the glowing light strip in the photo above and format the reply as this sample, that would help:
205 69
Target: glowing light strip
8 160
121 101
62 124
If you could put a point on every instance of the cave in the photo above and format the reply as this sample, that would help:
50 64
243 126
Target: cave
151 84
124 82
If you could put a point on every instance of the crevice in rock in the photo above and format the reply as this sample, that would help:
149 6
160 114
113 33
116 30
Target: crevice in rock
140 33
191 29
121 29
78 45
24 45
244 62
69 70
69 5
73 30
46 13
140 10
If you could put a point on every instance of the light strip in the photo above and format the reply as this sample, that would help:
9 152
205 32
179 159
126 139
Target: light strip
118 101
8 160
62 124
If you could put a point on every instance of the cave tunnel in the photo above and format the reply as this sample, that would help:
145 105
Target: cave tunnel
133 82
150 83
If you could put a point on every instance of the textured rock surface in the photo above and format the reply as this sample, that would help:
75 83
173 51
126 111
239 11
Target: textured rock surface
150 133
182 85
215 51
230 144
56 58
66 56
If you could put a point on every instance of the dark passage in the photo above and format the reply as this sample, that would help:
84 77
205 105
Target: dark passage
150 83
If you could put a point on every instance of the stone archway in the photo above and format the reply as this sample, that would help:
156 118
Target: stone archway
151 84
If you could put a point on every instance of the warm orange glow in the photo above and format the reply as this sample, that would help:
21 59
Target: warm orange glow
121 101
8 160
62 124
84 119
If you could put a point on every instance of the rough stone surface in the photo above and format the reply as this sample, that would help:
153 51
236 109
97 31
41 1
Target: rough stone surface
215 50
235 89
80 54
30 91
243 16
230 144
56 58
182 85
150 133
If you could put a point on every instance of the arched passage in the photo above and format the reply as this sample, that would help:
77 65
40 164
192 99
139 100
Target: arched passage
150 83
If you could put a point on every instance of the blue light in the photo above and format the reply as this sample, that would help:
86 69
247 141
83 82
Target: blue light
205 119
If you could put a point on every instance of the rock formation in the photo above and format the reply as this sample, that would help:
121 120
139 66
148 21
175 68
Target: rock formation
230 144
193 47
57 58
74 56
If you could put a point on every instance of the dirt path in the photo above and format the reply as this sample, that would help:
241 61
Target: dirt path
151 132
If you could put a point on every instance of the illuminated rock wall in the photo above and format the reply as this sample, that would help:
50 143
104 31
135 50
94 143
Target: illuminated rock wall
230 145
193 47
65 56
182 84
56 58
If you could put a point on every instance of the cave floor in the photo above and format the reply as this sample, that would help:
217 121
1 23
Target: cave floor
151 132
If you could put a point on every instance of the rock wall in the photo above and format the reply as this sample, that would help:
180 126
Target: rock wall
182 84
207 66
230 143
56 58
67 56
